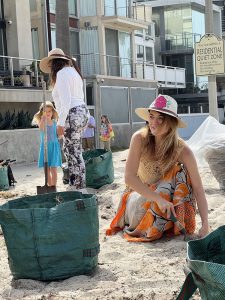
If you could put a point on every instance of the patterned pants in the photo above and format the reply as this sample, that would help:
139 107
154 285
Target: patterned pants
76 122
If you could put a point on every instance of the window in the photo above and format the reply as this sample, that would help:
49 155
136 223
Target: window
151 30
74 42
156 20
140 52
52 4
148 54
139 32
35 43
72 7
116 7
53 37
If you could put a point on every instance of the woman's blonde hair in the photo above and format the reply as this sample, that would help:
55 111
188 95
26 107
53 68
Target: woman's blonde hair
37 117
167 152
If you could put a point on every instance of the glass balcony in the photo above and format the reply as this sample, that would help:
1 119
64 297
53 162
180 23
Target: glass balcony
170 77
122 10
179 42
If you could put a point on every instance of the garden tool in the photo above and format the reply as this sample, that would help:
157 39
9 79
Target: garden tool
45 189
179 225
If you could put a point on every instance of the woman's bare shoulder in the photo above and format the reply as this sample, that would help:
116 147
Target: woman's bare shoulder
186 153
137 137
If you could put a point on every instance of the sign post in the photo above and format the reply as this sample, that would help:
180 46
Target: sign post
209 61
209 56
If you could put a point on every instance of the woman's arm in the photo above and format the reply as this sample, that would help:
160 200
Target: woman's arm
133 181
188 159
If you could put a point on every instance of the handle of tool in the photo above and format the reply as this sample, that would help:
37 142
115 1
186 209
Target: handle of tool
179 225
45 133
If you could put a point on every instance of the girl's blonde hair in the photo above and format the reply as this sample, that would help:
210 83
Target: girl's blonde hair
167 152
37 117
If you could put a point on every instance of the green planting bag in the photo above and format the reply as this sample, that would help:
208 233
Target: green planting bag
51 236
206 264
4 181
99 167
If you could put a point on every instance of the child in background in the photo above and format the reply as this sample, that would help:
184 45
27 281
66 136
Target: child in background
88 135
106 133
54 151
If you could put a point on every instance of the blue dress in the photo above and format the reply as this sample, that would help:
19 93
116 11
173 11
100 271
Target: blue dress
54 150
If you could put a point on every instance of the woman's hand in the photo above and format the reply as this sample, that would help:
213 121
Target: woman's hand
203 231
166 207
60 130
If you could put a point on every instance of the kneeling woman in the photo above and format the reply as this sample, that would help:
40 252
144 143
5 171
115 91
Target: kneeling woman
162 178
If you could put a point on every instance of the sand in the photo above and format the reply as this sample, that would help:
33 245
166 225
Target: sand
126 270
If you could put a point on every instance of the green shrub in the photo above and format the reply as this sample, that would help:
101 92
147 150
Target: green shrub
15 120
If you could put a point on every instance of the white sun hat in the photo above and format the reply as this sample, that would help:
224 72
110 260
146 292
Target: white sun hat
163 104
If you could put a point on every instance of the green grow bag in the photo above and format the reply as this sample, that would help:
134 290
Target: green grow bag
51 236
99 167
206 263
4 181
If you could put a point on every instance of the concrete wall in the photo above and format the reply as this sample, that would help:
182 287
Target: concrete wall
193 121
23 95
23 144
19 42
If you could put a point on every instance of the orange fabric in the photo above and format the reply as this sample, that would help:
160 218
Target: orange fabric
175 187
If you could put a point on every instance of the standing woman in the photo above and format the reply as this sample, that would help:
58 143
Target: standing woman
68 95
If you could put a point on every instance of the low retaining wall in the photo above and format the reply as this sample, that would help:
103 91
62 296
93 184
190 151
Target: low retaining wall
22 144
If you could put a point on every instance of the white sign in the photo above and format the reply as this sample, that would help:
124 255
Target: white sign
209 56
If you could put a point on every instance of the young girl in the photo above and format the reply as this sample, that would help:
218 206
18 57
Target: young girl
106 132
54 151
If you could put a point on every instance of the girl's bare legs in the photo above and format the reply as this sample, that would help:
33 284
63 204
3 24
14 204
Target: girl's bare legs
107 145
49 177
53 176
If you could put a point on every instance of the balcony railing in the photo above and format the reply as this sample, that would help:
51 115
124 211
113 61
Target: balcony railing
23 72
16 72
93 63
223 23
179 42
137 12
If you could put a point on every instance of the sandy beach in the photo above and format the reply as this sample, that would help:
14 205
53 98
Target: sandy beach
125 270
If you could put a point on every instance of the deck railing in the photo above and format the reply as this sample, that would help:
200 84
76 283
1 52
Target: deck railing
24 72
16 72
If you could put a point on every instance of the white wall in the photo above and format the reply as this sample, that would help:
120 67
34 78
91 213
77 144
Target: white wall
18 34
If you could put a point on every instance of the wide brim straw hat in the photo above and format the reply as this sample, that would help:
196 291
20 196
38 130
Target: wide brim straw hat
163 104
45 65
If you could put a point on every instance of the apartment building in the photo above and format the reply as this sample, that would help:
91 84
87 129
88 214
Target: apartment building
178 26
113 41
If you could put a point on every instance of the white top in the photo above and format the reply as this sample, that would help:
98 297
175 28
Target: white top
67 92
90 131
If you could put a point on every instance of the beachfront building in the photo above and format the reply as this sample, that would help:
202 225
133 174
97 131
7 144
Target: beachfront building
221 78
179 24
113 42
